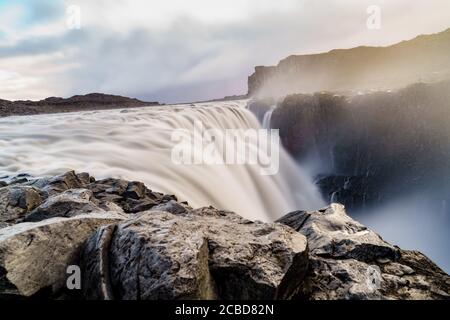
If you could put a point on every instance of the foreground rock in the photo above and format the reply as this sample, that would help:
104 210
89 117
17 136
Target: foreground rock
28 199
202 254
92 101
132 243
35 256
350 261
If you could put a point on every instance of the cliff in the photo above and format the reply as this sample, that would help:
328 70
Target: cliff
423 59
371 148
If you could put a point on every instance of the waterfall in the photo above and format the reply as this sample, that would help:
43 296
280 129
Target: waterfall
135 144
268 118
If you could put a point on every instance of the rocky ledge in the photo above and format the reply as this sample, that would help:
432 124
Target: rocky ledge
88 102
129 242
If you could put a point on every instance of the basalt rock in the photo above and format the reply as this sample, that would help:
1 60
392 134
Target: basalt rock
350 261
24 198
69 204
133 243
17 201
198 254
34 256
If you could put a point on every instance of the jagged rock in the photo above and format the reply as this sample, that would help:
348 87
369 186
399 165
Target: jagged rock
173 207
133 197
135 190
332 233
176 252
71 194
3 184
16 201
350 261
67 204
95 260
34 256
61 183
202 254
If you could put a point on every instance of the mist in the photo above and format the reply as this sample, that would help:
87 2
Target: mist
384 155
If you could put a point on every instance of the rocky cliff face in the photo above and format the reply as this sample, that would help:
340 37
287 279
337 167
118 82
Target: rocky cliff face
132 243
423 59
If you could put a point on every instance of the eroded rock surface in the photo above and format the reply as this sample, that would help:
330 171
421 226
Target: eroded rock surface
28 199
35 256
201 254
350 261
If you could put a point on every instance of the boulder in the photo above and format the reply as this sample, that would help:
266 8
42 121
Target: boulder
69 204
199 254
34 256
349 261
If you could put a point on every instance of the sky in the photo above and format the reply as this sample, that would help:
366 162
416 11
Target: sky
179 50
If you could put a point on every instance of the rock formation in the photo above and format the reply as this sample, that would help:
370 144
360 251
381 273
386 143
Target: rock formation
350 261
132 243
423 59
92 101
374 147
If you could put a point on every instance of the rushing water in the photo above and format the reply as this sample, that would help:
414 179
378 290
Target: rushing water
136 144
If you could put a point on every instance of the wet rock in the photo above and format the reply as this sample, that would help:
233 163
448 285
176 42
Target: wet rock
34 256
204 254
3 184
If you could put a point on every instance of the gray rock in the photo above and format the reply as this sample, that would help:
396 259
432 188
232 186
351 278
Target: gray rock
135 190
95 259
66 204
16 201
332 233
35 256
203 254
173 207
350 261
63 182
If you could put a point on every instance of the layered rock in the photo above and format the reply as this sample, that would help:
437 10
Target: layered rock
169 250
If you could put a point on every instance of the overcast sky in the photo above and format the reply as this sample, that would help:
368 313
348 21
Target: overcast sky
183 50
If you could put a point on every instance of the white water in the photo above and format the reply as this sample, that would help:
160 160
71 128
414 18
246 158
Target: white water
135 144
267 120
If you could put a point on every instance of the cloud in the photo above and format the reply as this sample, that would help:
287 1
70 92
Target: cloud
177 50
